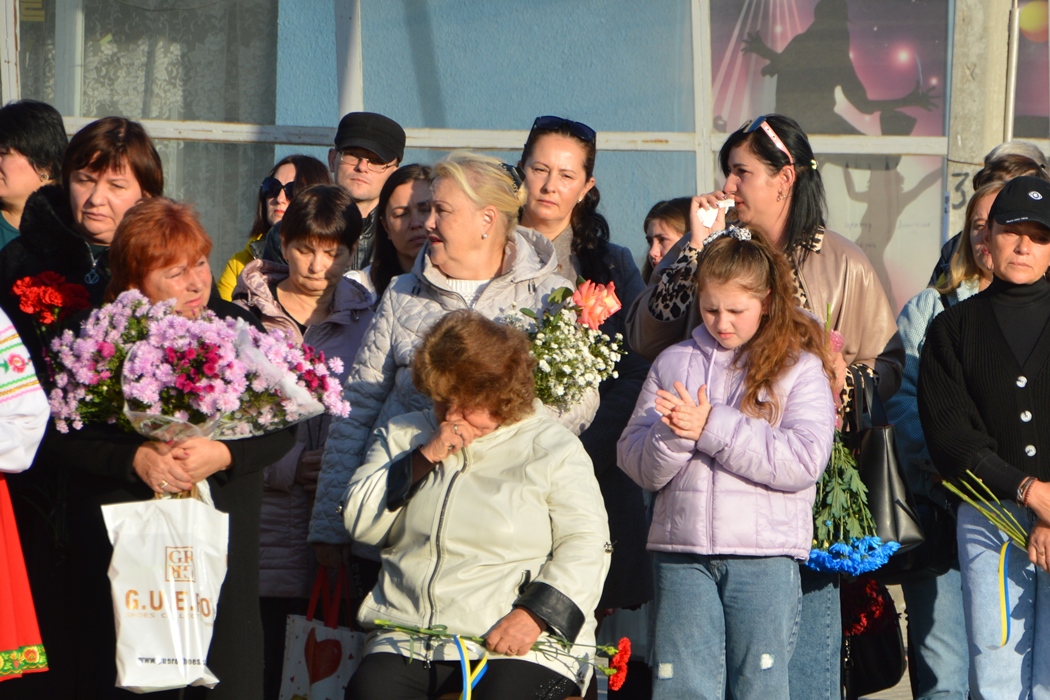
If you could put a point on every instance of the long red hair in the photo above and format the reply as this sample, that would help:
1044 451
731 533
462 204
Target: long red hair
785 330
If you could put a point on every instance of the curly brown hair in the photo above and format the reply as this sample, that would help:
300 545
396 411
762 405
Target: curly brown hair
473 362
786 329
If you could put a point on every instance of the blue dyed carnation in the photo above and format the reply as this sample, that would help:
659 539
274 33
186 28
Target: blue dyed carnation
862 555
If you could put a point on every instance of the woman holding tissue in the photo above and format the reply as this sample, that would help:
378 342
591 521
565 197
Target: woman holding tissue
776 192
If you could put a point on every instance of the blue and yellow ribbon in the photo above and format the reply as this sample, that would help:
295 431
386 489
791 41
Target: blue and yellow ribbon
1004 591
470 677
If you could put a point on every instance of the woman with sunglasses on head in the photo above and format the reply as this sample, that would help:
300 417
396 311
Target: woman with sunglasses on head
292 174
558 166
776 191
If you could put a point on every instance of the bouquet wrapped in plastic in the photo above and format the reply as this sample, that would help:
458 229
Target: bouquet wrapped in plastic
152 371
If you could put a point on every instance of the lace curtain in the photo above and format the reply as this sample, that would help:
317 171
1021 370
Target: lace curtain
211 60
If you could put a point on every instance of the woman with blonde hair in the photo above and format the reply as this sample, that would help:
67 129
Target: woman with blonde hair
476 257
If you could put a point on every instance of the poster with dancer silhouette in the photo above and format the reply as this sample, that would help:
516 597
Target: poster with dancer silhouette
849 67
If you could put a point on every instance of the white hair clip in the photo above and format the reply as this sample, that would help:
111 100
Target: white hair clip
741 234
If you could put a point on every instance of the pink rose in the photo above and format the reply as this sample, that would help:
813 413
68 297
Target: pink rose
597 302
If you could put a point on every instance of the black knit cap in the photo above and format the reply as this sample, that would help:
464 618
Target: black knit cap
372 132
1024 198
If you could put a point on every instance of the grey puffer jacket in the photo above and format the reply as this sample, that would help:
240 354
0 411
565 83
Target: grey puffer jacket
380 384
286 563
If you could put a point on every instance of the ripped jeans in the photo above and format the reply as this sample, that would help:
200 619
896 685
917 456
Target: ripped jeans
724 623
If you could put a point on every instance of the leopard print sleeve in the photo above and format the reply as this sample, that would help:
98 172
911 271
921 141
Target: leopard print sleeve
675 291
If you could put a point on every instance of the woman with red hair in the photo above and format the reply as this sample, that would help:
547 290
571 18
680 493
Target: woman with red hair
161 249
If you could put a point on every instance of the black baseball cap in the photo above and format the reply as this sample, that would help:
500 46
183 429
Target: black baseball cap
372 132
1024 198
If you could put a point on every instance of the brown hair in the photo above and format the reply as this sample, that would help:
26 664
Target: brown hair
323 214
785 330
153 234
675 213
115 143
308 172
963 265
1006 168
474 362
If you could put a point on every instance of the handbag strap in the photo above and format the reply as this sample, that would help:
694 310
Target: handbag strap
320 591
342 588
867 410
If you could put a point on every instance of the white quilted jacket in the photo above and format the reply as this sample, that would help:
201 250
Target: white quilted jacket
380 384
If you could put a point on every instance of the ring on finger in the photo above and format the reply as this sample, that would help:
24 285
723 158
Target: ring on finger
451 447
162 485
455 428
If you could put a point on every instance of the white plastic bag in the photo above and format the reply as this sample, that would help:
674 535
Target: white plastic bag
168 565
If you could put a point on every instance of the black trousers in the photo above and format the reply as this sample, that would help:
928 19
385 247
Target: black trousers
384 676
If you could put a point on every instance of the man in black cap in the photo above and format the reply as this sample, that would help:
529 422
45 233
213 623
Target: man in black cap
368 148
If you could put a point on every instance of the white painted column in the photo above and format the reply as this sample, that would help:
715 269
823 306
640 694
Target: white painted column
348 62
69 56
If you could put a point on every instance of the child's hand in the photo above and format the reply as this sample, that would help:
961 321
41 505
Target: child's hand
686 418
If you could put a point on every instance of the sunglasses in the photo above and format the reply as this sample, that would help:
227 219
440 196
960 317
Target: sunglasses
515 174
271 187
761 123
577 129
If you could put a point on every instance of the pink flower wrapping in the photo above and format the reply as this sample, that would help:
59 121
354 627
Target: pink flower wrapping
597 302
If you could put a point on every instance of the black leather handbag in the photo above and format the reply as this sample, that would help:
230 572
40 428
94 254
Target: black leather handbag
890 499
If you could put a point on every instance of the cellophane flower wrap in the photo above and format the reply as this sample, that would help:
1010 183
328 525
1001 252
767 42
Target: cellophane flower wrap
844 539
572 355
154 372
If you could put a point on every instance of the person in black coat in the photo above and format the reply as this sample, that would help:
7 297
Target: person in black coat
66 228
984 402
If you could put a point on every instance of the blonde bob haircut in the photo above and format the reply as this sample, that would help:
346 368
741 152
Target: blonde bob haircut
485 182
963 265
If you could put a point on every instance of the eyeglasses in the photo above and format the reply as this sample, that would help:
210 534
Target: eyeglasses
761 123
352 159
271 187
515 174
577 129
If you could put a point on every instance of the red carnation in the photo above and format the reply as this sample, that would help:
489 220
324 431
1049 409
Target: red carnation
619 662
49 297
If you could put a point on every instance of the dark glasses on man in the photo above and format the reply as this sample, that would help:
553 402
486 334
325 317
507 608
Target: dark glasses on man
762 124
271 187
577 129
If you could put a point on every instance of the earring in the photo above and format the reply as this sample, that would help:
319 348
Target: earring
484 236
780 196
579 200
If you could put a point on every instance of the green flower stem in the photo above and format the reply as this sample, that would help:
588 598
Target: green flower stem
988 505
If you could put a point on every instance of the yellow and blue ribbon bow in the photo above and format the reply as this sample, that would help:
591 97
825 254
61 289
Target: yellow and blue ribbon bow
1004 591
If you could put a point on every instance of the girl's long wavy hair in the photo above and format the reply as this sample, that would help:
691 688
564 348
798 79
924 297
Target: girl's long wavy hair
785 330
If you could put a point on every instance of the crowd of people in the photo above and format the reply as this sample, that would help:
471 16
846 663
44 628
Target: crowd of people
455 499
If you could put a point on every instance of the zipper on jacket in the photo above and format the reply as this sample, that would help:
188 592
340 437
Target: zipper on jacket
437 546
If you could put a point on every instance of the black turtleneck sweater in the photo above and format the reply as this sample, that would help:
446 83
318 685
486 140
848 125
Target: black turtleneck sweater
984 386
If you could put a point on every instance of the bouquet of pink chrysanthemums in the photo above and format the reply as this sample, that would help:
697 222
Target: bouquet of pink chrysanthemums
150 370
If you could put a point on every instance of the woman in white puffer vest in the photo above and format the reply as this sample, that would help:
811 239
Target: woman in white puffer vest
477 258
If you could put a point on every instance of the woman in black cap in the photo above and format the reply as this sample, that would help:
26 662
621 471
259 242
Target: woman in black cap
984 401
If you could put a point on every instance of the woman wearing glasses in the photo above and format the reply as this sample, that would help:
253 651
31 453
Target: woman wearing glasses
291 174
558 166
776 191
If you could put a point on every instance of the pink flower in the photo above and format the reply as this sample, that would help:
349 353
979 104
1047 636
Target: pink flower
597 302
835 341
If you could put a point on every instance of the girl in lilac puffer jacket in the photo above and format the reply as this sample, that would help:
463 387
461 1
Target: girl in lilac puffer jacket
732 430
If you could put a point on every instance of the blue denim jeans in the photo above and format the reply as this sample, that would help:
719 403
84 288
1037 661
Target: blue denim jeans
937 636
724 623
1021 669
816 665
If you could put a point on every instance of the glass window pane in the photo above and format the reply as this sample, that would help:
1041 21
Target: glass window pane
618 65
152 59
1032 102
836 67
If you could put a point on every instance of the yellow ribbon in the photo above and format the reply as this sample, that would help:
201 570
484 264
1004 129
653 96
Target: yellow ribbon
1004 592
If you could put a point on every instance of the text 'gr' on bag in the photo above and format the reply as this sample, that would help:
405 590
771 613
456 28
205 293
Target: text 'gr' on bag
320 657
168 565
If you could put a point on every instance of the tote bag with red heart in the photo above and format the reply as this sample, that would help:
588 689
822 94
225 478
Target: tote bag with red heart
320 656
